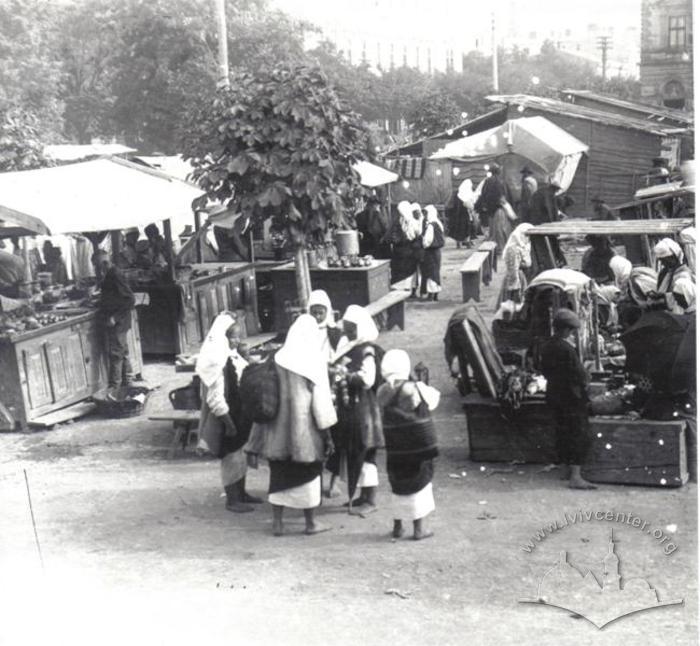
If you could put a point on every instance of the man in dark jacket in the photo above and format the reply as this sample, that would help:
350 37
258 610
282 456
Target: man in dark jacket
116 303
567 396
492 191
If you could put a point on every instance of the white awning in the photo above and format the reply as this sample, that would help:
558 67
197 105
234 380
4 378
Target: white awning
536 140
372 175
104 194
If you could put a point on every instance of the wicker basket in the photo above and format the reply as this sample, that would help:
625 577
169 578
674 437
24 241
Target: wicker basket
124 405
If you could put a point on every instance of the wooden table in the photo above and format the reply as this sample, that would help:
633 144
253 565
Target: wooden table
48 369
351 286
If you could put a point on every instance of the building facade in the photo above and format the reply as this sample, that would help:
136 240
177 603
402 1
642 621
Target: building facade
666 69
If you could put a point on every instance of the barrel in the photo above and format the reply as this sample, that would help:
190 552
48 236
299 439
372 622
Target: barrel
347 243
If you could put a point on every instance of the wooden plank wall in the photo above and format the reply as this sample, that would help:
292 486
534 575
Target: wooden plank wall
616 158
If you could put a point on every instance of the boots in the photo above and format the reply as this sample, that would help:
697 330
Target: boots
234 498
247 497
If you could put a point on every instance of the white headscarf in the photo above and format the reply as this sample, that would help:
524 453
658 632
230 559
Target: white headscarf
685 287
667 248
687 237
396 366
431 216
466 194
621 268
519 239
300 354
319 297
407 221
367 331
215 350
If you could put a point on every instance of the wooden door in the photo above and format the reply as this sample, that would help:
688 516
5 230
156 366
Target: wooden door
66 365
36 376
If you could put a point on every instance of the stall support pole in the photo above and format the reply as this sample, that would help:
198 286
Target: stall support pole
116 238
168 234
596 344
197 227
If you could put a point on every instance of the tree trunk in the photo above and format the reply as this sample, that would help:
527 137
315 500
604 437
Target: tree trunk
303 279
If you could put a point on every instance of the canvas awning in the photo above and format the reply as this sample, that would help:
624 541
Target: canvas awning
18 224
536 140
372 175
104 194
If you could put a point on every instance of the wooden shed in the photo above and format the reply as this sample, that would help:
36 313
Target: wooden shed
621 147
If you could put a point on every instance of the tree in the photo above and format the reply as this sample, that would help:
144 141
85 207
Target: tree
434 113
279 142
29 72
21 146
88 45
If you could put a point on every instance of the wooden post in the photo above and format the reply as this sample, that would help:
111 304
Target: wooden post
647 251
550 252
168 234
116 238
302 275
596 346
197 226
25 257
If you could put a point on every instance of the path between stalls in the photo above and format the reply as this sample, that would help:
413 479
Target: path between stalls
139 547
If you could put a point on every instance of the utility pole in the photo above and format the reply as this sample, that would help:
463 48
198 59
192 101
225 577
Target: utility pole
223 42
604 44
494 52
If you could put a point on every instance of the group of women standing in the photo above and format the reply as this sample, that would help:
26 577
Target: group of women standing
417 238
371 402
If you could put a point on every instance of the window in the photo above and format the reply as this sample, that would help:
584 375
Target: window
676 32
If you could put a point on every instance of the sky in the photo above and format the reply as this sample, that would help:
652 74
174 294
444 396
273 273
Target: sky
435 18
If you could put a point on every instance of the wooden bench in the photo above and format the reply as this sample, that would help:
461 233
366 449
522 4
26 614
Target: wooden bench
473 274
488 245
388 310
184 422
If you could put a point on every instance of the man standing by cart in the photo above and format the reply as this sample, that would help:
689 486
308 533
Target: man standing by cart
115 305
567 396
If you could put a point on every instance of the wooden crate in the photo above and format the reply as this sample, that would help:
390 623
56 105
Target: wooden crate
642 452
527 437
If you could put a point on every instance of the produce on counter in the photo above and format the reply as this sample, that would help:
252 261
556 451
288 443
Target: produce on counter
25 319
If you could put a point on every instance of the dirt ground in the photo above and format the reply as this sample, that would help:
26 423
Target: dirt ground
139 548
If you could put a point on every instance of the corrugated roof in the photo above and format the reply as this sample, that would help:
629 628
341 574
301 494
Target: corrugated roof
478 124
615 227
654 111
581 112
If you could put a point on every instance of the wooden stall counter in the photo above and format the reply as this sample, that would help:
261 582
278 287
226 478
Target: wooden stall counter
344 286
48 369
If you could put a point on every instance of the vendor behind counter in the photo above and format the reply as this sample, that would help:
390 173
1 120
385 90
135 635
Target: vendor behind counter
12 272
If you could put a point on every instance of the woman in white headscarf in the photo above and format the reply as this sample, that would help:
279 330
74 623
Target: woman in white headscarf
517 257
359 431
224 425
297 440
621 269
410 442
669 253
433 241
406 248
329 334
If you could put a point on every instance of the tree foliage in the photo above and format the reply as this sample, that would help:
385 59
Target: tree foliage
280 142
21 145
436 112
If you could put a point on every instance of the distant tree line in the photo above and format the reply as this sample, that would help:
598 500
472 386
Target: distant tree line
137 69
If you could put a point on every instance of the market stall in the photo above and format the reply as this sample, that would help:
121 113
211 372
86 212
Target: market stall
641 397
637 237
50 338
